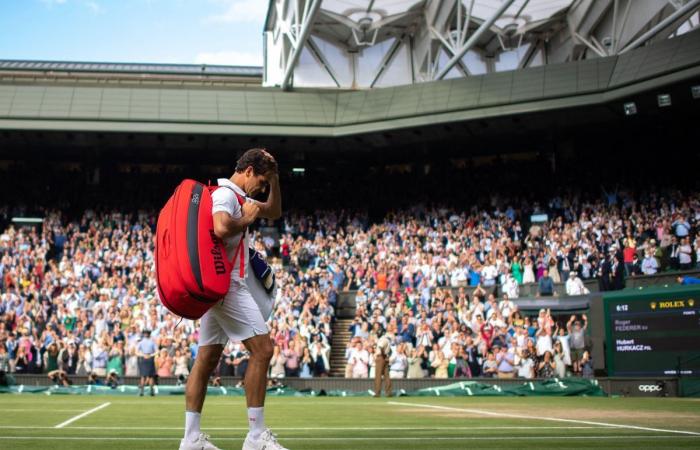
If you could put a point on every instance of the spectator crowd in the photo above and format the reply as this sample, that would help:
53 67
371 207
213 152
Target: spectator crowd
76 295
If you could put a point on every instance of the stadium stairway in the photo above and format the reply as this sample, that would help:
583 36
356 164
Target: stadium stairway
340 339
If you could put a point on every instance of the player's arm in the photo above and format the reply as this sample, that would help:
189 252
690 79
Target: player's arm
226 225
272 208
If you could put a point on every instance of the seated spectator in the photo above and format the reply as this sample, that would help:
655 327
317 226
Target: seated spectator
510 287
577 341
526 365
131 365
586 365
546 367
51 359
490 367
292 356
112 379
307 364
685 252
461 366
277 363
505 357
320 352
68 359
398 362
59 378
650 265
359 361
559 360
164 363
545 285
440 364
574 285
181 361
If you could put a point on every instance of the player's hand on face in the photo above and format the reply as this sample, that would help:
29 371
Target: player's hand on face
250 210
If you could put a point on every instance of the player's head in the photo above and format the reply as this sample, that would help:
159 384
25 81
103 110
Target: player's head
254 167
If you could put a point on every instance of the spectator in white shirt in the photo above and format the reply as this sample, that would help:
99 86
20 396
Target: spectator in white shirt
489 273
507 306
359 360
526 365
544 341
685 252
510 287
398 362
574 285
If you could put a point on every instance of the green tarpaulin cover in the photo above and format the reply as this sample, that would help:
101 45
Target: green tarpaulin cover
554 387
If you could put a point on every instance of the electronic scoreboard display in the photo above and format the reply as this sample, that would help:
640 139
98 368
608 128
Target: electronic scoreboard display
653 332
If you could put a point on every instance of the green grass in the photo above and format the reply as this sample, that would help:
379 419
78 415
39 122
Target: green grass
28 422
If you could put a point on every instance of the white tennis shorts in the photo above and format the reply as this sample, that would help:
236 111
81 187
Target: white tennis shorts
242 314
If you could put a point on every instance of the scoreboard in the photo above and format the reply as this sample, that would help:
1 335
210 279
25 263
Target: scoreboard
653 332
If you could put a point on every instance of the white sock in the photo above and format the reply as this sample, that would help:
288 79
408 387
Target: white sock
192 425
256 422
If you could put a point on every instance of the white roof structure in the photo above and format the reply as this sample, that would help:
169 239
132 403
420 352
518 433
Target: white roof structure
358 44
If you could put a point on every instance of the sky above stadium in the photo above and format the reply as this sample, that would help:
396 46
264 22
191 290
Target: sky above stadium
156 31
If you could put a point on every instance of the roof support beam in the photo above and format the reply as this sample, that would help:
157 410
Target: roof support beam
527 57
386 60
619 25
473 39
688 7
590 46
322 59
450 50
305 23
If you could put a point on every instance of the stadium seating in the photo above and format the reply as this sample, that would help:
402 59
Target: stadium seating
78 292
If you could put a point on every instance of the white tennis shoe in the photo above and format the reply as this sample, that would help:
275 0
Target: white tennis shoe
202 443
266 441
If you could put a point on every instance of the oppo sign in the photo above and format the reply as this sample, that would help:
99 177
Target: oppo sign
649 388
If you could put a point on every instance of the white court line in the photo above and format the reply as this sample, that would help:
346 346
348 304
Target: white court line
553 419
80 416
400 438
26 427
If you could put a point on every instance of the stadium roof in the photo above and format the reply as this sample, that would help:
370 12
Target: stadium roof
75 105
192 75
139 68
523 11
377 43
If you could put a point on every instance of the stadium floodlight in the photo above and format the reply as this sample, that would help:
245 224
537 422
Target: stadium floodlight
663 100
695 91
27 220
630 108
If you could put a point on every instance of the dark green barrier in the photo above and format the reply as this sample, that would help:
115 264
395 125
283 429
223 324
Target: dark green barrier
554 387
689 387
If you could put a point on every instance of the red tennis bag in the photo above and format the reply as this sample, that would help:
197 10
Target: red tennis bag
192 270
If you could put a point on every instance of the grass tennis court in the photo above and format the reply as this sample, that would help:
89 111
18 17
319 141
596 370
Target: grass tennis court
106 422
